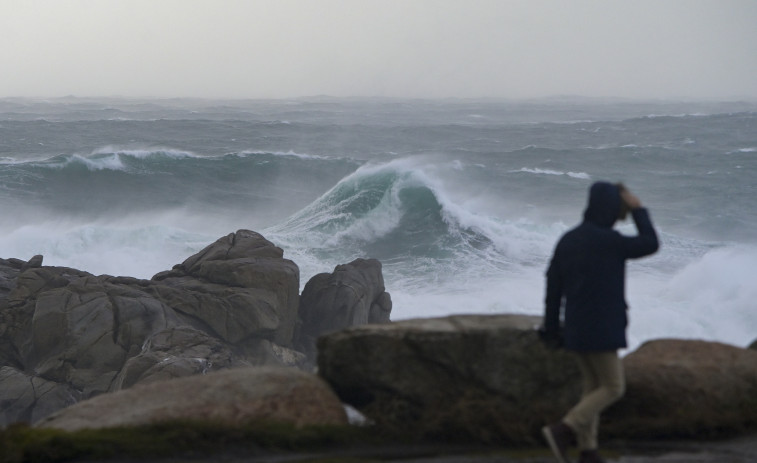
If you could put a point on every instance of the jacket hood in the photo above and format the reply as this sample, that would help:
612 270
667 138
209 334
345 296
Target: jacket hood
604 204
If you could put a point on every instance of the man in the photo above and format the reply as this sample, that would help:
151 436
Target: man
586 281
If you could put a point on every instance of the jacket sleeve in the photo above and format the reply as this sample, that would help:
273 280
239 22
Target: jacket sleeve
645 243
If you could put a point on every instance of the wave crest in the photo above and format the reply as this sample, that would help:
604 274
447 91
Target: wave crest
144 153
110 158
399 211
581 175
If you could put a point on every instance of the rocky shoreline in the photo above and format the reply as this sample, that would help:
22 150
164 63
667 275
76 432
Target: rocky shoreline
225 337
488 378
67 335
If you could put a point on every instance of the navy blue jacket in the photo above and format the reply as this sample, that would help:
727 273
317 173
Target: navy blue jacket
587 273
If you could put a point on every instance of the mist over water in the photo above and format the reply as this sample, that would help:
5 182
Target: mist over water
462 201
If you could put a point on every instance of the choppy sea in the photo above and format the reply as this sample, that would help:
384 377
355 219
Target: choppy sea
461 200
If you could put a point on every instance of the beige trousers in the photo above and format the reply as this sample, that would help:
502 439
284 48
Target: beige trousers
603 384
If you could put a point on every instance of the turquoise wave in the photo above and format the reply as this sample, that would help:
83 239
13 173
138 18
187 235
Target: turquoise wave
390 211
123 181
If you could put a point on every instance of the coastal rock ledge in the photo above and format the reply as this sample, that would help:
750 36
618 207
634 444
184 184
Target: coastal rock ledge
488 378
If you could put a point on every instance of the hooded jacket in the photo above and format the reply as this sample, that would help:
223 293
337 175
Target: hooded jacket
586 275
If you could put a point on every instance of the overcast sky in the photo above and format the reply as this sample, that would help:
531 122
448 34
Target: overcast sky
403 48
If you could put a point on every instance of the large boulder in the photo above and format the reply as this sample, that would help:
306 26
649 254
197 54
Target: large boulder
230 397
230 313
488 378
353 294
73 335
686 388
233 304
244 271
77 329
481 377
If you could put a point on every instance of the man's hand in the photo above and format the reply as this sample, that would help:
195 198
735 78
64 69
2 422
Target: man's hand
631 200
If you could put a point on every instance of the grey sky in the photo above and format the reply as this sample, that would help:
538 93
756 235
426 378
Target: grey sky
405 48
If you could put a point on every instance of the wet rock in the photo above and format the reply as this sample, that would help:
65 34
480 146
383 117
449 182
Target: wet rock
472 377
231 397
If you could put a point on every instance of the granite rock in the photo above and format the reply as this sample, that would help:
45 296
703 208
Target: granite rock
233 304
241 270
686 388
29 397
228 397
488 378
352 295
473 377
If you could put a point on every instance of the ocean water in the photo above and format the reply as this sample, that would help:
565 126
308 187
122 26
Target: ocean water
461 200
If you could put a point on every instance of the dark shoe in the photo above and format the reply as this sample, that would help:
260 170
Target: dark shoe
559 436
590 456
